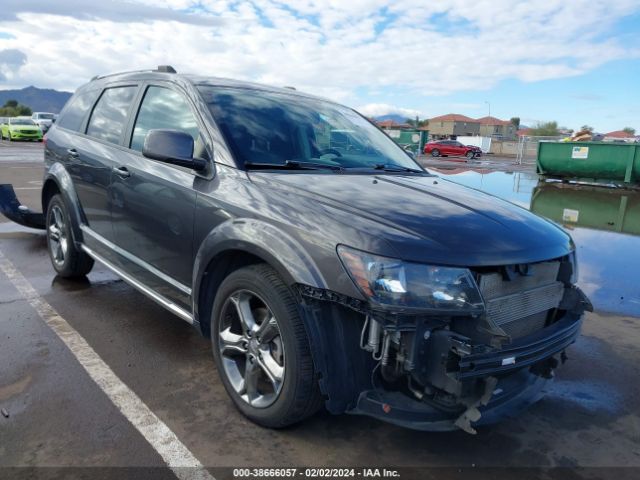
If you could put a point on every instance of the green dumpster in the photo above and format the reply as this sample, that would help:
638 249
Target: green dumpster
587 206
413 140
590 161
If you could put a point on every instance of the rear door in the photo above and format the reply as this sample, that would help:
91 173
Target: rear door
90 154
154 202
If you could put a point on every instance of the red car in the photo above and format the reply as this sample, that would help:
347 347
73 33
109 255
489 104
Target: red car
451 147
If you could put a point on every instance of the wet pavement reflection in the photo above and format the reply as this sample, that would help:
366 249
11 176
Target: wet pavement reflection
604 223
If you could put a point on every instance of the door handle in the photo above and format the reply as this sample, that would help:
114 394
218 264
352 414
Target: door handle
72 153
122 172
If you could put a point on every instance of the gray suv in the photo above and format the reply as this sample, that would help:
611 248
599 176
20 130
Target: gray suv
327 267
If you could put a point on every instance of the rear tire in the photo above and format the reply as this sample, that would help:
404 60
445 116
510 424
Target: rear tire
67 259
435 152
239 349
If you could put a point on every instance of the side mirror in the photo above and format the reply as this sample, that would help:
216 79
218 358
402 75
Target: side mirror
172 146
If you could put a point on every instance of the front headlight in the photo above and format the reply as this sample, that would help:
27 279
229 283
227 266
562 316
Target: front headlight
573 259
394 283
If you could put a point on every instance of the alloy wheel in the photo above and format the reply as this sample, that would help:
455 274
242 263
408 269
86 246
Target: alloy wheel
251 349
58 241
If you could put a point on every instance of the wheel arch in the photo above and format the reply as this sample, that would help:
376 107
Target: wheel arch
58 181
238 243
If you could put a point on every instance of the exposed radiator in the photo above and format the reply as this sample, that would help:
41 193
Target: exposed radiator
519 307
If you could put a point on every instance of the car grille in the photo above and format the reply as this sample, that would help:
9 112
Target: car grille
518 307
30 132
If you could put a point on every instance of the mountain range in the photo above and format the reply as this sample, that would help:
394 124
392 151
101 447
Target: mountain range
38 99
391 116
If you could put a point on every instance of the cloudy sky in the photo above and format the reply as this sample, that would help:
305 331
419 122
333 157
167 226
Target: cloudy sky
574 61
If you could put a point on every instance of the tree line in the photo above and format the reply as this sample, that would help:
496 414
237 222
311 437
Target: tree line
12 108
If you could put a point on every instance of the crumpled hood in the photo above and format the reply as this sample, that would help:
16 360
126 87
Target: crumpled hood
426 218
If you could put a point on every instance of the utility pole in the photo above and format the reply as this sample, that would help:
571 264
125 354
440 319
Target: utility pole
489 104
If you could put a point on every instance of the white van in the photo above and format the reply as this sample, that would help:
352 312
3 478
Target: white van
44 120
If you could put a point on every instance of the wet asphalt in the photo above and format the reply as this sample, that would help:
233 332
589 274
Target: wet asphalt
57 415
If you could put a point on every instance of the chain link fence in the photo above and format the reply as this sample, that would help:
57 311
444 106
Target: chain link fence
527 151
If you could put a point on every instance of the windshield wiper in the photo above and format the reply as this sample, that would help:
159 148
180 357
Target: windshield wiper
389 167
293 165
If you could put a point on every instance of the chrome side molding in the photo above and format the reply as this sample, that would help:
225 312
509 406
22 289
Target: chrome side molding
132 258
172 307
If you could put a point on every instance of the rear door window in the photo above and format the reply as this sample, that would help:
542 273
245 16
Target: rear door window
109 117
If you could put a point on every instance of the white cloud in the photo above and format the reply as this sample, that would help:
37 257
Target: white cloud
342 50
377 109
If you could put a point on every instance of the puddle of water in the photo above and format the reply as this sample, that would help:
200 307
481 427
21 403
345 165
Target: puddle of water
591 396
604 223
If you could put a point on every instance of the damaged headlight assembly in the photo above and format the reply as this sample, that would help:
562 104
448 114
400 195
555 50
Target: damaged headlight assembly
390 283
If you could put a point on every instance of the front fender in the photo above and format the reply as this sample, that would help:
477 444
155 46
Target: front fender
263 240
57 175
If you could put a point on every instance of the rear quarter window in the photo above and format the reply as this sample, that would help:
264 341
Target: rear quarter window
75 110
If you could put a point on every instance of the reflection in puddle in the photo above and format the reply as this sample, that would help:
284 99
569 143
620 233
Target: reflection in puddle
604 223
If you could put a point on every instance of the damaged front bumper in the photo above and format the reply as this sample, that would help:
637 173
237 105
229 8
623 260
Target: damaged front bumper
511 396
519 373
11 208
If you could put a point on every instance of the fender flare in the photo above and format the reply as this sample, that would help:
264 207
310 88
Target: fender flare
263 240
57 174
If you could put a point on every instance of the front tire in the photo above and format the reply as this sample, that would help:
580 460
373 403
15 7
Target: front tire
262 350
470 155
67 260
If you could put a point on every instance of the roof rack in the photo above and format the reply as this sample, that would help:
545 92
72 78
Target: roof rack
166 69
161 68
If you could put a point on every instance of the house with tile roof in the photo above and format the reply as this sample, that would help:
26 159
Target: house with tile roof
496 128
619 136
453 124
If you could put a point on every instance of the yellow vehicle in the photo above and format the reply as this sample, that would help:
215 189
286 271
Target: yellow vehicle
20 128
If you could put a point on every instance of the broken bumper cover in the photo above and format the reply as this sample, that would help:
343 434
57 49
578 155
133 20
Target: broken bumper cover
11 208
516 390
525 352
511 396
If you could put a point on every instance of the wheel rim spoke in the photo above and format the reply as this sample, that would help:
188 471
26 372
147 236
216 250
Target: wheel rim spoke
232 343
54 232
243 308
271 368
251 379
57 214
268 330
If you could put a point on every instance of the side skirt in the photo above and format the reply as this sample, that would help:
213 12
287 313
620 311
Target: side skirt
161 300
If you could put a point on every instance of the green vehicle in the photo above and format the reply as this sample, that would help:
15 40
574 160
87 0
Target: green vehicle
20 128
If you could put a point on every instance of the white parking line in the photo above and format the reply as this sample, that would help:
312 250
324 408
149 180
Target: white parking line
175 454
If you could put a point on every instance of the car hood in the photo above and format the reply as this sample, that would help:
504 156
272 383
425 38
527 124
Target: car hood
427 218
23 127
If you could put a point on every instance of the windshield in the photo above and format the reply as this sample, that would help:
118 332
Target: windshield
21 121
45 116
270 128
